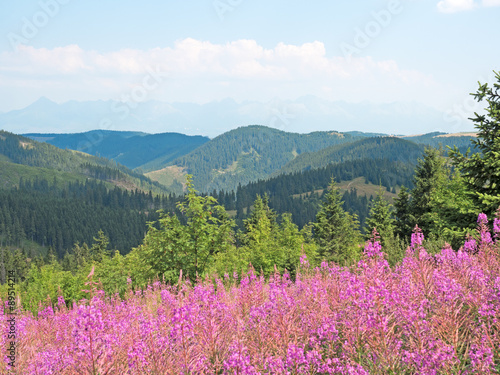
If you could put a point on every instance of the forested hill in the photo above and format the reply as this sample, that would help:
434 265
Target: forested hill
249 153
297 192
23 157
390 148
131 149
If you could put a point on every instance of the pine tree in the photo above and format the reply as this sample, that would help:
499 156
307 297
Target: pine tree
336 230
482 170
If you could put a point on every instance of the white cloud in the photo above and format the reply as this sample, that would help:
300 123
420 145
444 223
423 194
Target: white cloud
491 3
452 6
201 71
242 59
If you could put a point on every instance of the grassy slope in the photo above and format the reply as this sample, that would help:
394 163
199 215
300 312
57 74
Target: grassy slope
168 176
360 185
10 174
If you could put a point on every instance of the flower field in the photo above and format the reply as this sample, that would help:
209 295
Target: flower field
429 315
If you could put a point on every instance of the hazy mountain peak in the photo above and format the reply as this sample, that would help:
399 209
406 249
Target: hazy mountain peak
305 114
43 101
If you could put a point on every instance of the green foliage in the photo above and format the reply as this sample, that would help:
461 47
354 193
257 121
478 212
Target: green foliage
395 248
261 216
440 203
304 209
77 258
439 140
267 245
430 173
57 215
99 249
380 218
336 230
14 259
403 218
452 210
44 284
112 273
481 170
190 247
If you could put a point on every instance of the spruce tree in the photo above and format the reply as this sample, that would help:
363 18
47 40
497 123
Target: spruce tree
404 219
429 174
380 218
260 210
336 231
99 249
482 169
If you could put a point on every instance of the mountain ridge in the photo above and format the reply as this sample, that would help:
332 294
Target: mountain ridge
241 155
26 156
132 149
217 117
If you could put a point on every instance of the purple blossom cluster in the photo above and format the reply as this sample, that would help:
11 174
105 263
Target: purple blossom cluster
428 315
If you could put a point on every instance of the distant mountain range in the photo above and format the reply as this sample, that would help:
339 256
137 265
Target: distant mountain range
245 154
132 149
212 119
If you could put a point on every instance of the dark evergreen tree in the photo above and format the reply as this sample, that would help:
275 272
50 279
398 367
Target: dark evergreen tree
482 170
336 231
380 218
404 220
429 174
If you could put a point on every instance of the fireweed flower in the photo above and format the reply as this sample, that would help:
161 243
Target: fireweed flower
482 219
238 361
303 261
373 248
419 317
482 227
417 237
470 245
496 227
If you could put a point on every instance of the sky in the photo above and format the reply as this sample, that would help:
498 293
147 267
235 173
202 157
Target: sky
431 52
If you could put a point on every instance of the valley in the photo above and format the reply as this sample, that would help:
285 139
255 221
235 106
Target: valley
292 169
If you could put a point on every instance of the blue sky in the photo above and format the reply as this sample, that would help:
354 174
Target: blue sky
427 51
